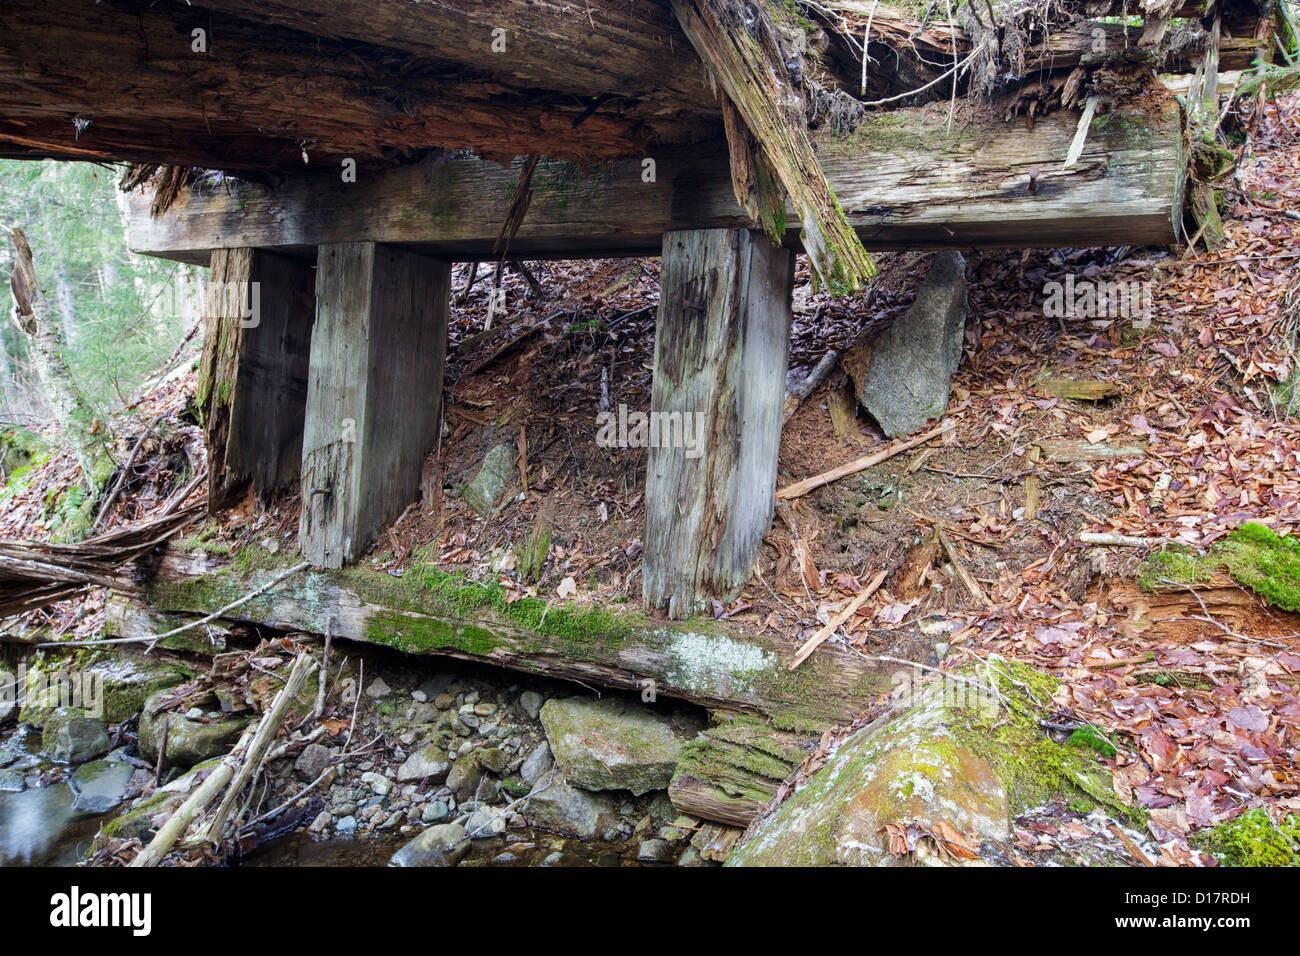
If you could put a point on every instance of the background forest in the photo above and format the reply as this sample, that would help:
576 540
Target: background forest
119 315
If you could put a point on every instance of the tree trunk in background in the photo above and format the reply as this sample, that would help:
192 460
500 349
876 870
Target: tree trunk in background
32 314
67 298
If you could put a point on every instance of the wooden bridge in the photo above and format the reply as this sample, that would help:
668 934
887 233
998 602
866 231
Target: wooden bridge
608 127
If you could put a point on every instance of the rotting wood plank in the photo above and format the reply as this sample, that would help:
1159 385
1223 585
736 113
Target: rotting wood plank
721 346
738 43
732 770
374 393
902 180
424 612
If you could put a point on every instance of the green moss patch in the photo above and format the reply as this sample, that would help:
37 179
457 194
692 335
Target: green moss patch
1253 555
1253 839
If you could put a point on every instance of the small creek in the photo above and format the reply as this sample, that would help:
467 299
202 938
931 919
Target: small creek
39 823
41 826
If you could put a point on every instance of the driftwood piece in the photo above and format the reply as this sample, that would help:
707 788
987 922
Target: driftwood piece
963 573
817 639
267 728
796 394
1087 390
198 801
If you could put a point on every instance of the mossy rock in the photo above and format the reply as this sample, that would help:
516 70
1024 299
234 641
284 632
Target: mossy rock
137 823
1253 555
609 744
71 735
128 683
189 742
1253 839
951 759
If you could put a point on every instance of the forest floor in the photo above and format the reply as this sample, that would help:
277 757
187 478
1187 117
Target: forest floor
1195 686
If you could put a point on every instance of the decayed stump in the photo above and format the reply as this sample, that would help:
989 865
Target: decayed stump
252 386
374 393
901 375
719 382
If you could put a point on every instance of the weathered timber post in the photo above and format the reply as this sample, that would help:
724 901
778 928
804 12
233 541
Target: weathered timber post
252 389
721 347
374 392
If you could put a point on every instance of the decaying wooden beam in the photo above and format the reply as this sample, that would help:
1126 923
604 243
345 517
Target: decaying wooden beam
721 346
901 178
717 666
123 80
730 771
374 393
252 384
738 43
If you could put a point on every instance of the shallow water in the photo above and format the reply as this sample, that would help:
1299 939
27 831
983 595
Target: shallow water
517 848
39 825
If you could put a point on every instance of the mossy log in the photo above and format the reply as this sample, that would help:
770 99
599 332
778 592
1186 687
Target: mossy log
429 612
732 770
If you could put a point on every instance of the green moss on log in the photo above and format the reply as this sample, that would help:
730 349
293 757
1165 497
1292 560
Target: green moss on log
1253 555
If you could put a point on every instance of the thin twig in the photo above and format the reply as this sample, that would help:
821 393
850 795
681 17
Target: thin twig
193 624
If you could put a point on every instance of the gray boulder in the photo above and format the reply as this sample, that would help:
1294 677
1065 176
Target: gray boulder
901 376
536 764
610 744
100 785
441 845
485 492
556 806
70 735
313 760
429 761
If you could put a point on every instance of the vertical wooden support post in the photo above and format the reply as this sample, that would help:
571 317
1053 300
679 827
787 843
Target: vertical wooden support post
252 390
721 348
374 393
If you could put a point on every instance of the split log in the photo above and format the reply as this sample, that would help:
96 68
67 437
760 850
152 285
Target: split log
903 181
198 801
713 665
738 43
721 345
731 771
263 737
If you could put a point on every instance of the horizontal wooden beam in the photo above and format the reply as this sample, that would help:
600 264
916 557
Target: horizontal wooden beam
902 178
425 612
120 80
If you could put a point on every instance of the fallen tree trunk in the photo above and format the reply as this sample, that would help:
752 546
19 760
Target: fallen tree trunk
424 613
